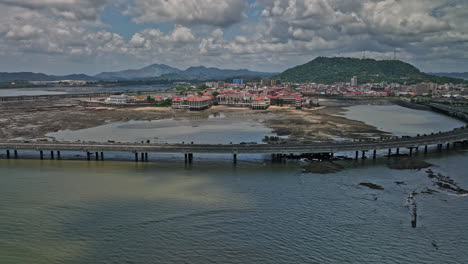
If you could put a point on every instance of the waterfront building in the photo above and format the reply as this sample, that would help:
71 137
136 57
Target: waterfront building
118 99
295 101
233 99
192 102
260 103
354 81
178 103
198 103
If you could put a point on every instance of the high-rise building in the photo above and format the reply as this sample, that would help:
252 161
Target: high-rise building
354 81
422 88
273 83
221 84
238 81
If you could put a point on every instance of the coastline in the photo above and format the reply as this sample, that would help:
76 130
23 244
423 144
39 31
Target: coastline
34 119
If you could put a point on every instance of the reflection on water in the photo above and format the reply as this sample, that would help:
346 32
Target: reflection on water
118 212
217 129
402 121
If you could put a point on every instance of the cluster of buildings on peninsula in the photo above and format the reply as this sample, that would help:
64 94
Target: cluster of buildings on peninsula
261 95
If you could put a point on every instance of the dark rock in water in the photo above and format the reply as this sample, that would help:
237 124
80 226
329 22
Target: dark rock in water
408 164
447 186
434 244
446 183
324 167
371 185
429 191
411 203
400 183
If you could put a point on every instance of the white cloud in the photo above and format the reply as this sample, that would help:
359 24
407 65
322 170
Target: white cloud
76 10
431 33
185 12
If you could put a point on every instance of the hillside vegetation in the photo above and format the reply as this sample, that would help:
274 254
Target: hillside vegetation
331 70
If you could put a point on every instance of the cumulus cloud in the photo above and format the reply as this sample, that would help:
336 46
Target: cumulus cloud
433 34
420 30
83 10
185 12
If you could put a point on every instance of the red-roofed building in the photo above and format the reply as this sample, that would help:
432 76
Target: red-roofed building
295 101
260 103
192 103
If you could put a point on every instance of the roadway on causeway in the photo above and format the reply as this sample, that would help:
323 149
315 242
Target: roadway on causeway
325 147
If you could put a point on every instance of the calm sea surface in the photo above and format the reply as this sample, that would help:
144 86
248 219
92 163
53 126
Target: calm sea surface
402 121
215 212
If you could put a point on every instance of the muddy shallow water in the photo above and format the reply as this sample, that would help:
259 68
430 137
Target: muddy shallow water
214 129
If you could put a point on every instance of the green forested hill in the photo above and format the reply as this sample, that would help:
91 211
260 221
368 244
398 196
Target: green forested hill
331 70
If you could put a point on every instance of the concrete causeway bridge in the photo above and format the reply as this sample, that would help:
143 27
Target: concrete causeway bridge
445 139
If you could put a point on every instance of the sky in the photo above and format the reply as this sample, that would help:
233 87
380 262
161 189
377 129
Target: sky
91 36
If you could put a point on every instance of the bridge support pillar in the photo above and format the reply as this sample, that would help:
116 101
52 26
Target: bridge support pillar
142 156
439 147
186 157
190 157
88 155
448 146
52 155
398 151
146 156
374 154
389 152
102 155
363 154
411 152
357 155
234 158
136 156
41 154
8 154
16 154
425 149
58 155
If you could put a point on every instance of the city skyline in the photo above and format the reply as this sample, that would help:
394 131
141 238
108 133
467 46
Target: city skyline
71 36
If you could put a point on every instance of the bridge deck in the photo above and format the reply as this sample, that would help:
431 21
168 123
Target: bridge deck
442 138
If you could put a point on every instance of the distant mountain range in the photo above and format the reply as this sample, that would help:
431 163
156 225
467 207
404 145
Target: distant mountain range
152 72
459 75
337 69
30 76
320 70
